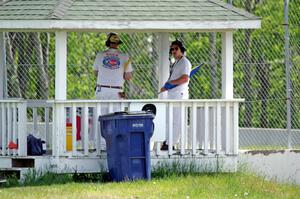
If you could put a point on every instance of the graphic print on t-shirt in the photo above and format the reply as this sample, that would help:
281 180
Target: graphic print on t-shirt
111 62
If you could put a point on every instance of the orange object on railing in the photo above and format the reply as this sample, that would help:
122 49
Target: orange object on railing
12 145
69 145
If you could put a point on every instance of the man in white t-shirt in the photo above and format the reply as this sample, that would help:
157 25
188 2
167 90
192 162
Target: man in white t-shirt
112 67
177 86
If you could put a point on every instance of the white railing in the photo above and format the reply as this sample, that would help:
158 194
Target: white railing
13 125
210 126
39 114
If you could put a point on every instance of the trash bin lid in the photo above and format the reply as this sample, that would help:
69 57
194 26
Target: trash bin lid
127 114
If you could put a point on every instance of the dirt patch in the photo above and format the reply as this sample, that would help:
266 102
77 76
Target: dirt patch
264 152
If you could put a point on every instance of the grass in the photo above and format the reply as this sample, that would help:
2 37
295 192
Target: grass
170 185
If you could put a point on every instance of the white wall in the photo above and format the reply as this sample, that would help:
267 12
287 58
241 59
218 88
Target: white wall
282 166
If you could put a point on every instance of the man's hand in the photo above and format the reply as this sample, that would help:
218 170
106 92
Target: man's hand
167 86
96 73
162 89
127 76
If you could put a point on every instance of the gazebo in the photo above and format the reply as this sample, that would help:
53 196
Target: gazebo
214 120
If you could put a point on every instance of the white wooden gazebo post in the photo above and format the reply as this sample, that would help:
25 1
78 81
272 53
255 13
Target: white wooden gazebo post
59 129
227 65
230 132
61 65
163 63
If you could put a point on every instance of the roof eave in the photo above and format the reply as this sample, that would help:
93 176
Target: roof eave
126 26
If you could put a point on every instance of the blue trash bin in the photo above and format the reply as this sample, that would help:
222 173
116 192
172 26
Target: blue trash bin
127 136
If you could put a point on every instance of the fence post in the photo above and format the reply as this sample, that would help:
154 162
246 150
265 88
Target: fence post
287 72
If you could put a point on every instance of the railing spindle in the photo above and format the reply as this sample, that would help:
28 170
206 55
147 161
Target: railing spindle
194 128
3 110
98 129
235 128
182 129
218 128
227 128
170 128
74 130
14 125
206 127
9 129
86 129
35 120
47 127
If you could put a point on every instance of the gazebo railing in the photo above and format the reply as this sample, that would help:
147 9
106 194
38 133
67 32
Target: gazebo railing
13 121
71 128
210 126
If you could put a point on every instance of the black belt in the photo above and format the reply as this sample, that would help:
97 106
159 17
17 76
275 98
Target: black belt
107 86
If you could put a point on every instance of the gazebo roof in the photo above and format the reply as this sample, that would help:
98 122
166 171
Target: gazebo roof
125 15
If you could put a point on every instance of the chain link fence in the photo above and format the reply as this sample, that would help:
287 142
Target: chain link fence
259 69
260 76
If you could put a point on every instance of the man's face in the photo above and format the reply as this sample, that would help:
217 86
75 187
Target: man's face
114 41
175 50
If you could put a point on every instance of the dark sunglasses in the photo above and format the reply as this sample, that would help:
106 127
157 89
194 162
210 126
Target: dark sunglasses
172 49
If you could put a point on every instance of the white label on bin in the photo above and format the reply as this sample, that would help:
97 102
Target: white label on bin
137 125
44 146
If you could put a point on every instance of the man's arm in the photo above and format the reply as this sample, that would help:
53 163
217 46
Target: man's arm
169 85
181 80
127 75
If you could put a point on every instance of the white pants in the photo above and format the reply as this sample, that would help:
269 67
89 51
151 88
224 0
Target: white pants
176 115
107 94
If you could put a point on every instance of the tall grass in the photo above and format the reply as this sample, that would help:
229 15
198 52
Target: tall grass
34 177
178 168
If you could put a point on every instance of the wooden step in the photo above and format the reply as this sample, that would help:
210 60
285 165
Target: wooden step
22 162
8 173
12 172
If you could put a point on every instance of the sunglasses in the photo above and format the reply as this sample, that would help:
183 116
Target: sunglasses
172 49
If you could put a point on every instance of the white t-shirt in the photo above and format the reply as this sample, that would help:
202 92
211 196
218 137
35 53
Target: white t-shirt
181 67
111 65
